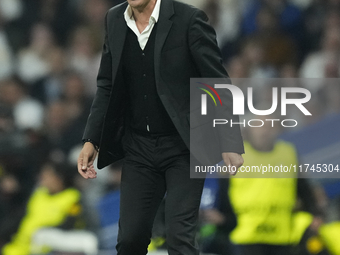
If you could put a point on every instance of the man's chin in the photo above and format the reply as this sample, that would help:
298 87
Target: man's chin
138 4
135 3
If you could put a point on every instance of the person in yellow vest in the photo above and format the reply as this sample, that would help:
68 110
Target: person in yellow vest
330 236
55 203
327 237
318 238
264 207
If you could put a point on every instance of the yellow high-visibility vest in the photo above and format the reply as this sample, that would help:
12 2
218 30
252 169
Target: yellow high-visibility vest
330 235
301 221
43 210
264 206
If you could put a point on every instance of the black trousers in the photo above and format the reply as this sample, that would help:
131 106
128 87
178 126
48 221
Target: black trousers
153 166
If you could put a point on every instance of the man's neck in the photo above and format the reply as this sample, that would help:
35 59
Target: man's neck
142 14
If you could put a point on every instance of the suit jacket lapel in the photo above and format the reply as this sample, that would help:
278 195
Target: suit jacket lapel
163 29
118 32
119 28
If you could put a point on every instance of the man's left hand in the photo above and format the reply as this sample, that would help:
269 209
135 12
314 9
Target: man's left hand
232 159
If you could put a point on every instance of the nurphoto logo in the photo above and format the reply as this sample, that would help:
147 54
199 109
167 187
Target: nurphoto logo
239 103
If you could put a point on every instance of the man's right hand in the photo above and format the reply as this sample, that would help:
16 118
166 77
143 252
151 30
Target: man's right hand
85 161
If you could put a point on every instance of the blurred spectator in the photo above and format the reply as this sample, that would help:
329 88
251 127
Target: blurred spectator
329 234
6 56
74 96
330 96
12 204
268 48
56 131
85 56
18 166
320 238
280 49
289 17
319 16
28 113
253 54
303 4
6 121
66 117
55 128
49 88
10 14
32 61
59 15
10 9
289 71
93 12
77 105
238 68
55 203
224 16
317 64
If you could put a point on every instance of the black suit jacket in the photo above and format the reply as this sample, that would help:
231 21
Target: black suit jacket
185 48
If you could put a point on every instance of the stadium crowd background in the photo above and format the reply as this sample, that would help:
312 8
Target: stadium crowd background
49 57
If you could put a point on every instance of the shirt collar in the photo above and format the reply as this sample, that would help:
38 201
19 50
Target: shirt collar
154 16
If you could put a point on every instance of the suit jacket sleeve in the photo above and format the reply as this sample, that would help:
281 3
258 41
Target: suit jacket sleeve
100 103
208 59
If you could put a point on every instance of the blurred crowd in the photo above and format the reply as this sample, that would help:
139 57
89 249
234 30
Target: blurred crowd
49 57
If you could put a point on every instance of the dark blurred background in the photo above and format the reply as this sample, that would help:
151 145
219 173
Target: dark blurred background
49 57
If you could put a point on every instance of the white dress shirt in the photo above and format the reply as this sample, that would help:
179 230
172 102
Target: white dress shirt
131 23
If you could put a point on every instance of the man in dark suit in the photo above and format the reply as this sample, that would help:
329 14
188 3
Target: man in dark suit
140 113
